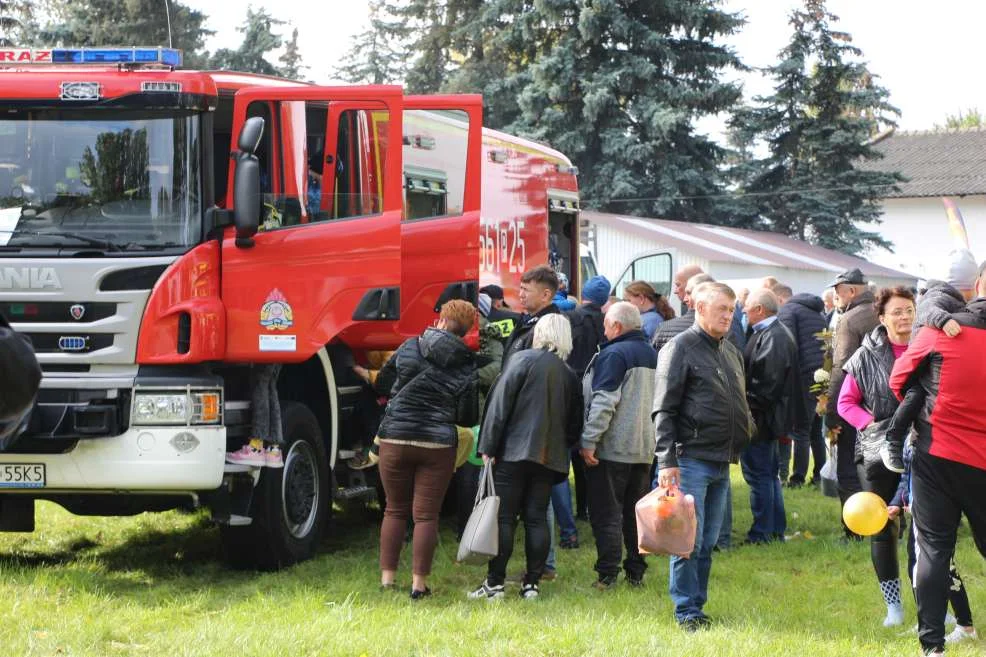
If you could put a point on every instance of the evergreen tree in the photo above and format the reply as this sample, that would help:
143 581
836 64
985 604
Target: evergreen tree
15 16
291 66
374 55
971 118
816 127
617 86
125 22
259 40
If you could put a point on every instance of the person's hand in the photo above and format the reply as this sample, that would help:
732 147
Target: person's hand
907 508
488 460
668 477
589 456
893 512
951 328
362 372
833 435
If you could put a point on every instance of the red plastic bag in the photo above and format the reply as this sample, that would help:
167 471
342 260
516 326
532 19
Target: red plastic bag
666 522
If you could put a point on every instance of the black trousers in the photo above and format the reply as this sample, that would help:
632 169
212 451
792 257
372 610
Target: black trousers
942 491
875 478
466 486
524 489
614 489
957 595
846 468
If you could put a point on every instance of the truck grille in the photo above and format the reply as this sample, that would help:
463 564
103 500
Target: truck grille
53 312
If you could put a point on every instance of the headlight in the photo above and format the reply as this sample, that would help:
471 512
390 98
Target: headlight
177 408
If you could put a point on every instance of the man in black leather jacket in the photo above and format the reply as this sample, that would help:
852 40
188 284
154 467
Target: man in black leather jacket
773 392
702 422
537 288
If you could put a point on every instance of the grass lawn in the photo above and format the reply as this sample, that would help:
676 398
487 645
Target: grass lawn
153 585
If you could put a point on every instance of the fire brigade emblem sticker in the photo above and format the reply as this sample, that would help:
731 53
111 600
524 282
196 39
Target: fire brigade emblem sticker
276 315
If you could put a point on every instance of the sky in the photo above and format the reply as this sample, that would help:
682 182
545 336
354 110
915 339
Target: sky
926 53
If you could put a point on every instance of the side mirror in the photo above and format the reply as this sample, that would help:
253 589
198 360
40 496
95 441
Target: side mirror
246 183
250 135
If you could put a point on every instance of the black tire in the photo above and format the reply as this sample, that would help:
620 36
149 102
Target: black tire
291 506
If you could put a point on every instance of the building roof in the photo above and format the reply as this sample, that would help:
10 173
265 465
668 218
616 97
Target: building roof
935 163
738 245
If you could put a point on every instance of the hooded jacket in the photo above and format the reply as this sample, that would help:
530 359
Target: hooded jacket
952 425
803 315
936 306
870 366
856 322
587 335
431 381
618 390
534 412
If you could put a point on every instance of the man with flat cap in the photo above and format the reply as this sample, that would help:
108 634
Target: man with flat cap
855 300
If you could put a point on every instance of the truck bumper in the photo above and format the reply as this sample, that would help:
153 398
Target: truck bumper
141 459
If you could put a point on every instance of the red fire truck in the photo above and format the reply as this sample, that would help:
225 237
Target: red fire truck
162 230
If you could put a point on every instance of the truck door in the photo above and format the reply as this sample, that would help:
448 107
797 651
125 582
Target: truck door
327 260
654 268
442 144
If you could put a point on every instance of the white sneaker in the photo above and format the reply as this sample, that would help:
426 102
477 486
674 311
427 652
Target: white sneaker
895 617
961 634
486 591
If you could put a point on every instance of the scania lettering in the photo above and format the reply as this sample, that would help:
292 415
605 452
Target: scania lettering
163 231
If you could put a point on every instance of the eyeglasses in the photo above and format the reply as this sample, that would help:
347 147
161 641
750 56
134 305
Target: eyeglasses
902 313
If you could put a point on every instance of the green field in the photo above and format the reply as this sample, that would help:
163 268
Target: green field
154 585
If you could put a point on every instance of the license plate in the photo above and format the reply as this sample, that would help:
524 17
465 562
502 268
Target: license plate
22 475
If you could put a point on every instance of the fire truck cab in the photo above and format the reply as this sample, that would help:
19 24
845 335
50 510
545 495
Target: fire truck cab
162 231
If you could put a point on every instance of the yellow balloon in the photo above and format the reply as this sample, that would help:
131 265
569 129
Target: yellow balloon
865 513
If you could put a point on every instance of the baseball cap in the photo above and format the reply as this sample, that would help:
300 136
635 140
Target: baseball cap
492 291
850 277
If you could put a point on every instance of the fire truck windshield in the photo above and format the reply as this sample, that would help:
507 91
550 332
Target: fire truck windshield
128 179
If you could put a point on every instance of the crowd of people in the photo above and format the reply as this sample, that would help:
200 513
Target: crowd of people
625 396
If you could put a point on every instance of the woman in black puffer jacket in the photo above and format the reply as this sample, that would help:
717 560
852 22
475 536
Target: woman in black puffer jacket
431 382
867 403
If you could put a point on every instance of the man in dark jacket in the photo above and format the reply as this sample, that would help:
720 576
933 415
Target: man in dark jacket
773 393
537 288
948 470
587 334
802 315
21 374
618 442
855 301
673 327
703 422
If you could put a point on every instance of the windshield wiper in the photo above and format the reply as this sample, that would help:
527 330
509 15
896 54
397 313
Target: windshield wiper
91 241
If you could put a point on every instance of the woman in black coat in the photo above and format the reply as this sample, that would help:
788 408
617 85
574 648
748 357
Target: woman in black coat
533 418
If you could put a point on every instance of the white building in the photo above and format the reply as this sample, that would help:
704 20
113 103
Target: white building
942 164
736 256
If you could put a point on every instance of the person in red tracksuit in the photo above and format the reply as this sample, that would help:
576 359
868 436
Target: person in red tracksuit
948 471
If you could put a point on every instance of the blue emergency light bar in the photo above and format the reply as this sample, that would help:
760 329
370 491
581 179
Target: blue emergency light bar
161 56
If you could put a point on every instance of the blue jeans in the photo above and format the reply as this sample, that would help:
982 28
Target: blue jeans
726 531
708 483
759 464
561 500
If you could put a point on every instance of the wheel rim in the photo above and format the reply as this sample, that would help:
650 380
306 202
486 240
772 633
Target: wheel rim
300 490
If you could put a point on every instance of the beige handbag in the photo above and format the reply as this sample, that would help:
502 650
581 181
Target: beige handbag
481 537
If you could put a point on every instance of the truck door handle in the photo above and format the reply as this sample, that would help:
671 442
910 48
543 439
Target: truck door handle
379 303
459 290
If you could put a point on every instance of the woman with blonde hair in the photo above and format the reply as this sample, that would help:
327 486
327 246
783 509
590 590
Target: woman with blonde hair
643 295
431 382
533 418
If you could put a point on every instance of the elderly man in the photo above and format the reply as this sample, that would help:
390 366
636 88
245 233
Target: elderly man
854 300
618 442
702 422
948 470
773 393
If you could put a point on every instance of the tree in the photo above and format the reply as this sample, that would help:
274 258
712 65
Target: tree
374 56
14 18
259 40
617 87
971 118
816 128
291 66
125 22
